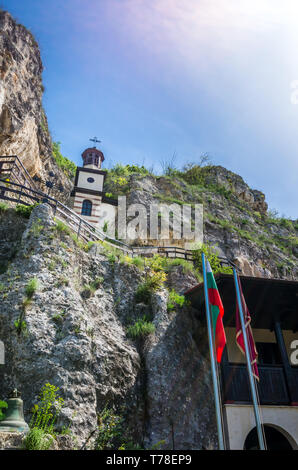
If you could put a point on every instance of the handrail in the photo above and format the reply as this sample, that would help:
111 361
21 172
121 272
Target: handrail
64 211
16 161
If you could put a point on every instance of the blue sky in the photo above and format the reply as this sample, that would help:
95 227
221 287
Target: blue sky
154 78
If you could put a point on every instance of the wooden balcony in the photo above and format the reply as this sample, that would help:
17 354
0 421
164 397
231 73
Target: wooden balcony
273 387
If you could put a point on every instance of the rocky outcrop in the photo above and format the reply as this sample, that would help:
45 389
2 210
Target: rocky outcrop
78 342
236 219
23 123
232 182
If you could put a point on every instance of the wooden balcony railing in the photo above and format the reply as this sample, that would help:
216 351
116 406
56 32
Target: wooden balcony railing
272 387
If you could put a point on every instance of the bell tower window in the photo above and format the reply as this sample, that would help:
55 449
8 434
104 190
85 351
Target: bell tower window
86 207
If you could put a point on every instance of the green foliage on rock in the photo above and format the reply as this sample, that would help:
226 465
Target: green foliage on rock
3 405
46 412
212 257
111 432
141 328
31 287
175 300
25 211
3 207
142 294
62 227
66 165
154 281
38 439
91 288
20 325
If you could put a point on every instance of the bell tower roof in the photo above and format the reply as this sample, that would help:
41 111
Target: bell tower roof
93 156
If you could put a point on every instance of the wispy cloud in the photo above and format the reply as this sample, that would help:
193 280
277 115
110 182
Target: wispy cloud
185 28
210 74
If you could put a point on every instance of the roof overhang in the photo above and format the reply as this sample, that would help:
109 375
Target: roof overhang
268 300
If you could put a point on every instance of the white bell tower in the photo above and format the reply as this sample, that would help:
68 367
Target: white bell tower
88 185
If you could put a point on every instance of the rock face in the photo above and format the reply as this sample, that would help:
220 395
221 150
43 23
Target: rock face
23 123
77 340
236 219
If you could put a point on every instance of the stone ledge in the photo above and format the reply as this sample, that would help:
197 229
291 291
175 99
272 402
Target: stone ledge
11 440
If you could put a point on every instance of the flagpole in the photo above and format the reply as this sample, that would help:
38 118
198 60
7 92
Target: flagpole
249 368
213 365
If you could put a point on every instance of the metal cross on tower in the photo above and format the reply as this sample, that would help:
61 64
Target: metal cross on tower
95 140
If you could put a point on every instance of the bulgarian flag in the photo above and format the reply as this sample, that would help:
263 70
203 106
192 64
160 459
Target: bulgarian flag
217 313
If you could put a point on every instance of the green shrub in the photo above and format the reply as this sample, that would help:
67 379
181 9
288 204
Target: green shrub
142 294
171 200
3 207
212 257
105 226
25 211
36 228
156 263
31 287
66 165
110 430
37 439
175 300
88 246
112 258
127 170
20 325
141 328
292 242
186 265
193 174
286 223
90 289
62 227
138 261
154 281
3 404
47 411
110 251
246 234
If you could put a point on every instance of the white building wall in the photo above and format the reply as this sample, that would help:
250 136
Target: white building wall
240 421
84 184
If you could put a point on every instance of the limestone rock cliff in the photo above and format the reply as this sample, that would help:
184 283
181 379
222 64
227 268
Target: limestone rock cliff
79 342
23 122
237 222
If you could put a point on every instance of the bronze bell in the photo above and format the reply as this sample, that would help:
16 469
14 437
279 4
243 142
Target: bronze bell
14 415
